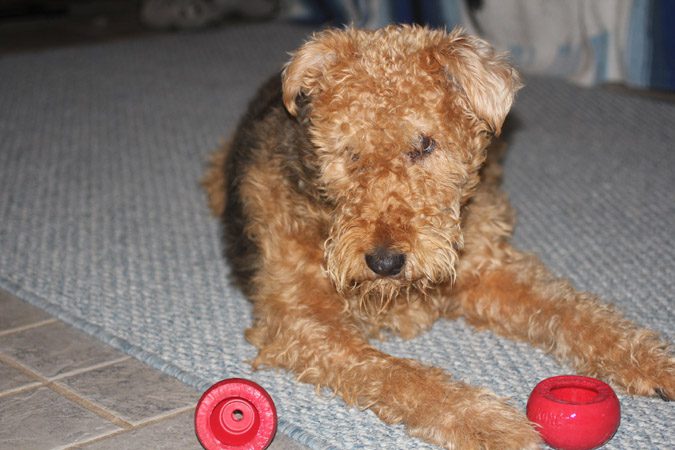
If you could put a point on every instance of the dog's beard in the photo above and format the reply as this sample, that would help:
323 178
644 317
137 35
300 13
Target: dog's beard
430 264
376 297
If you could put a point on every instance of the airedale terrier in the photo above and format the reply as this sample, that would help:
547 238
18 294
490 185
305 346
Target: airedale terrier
359 196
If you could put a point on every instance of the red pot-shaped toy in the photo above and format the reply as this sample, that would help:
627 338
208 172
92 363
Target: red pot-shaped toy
574 412
235 414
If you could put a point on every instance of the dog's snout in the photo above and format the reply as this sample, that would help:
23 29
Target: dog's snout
385 261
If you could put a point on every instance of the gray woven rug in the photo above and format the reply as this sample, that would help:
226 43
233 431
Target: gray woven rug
103 224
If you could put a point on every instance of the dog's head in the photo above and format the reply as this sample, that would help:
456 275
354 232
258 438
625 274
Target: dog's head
399 119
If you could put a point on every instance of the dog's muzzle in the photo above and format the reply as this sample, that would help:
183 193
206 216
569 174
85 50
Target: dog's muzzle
386 262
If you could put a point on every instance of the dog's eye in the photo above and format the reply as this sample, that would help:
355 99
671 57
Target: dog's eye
424 147
428 144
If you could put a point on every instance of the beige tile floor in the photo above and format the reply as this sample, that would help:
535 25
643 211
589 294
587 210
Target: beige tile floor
60 388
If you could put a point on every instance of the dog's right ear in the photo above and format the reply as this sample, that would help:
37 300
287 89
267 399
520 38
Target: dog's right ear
483 77
304 72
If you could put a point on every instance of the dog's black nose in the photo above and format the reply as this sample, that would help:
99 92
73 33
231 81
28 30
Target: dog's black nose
384 261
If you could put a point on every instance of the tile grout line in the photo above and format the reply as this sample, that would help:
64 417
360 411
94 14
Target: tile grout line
20 389
92 406
136 426
27 327
68 393
89 368
11 362
39 378
168 415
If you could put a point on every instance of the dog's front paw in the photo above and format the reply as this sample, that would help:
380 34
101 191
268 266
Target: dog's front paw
654 378
642 364
477 420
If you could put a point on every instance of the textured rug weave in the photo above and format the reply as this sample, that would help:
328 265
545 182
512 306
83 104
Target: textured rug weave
102 221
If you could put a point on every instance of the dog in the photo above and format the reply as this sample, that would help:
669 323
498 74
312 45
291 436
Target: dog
360 196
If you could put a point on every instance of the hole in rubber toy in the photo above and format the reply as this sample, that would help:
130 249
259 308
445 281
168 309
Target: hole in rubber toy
575 394
235 421
237 416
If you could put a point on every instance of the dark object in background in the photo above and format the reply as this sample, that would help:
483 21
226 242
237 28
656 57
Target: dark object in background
184 14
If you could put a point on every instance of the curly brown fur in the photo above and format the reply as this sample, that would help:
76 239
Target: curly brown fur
354 202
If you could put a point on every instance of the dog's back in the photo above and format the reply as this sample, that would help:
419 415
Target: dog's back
264 133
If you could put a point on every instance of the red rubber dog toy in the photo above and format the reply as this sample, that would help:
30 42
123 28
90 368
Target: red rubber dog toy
574 412
235 414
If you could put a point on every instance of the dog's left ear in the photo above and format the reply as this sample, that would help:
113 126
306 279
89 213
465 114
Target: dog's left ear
304 72
484 78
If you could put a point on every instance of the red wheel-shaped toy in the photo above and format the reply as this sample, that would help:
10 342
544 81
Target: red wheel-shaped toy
574 412
235 414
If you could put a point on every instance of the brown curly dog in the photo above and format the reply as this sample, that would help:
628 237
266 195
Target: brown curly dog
358 197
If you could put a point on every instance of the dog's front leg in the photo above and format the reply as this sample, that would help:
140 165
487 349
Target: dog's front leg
519 298
301 325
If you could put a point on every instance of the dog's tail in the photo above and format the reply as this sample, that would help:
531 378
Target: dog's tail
213 181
